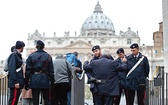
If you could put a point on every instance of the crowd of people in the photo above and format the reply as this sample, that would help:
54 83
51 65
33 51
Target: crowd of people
108 77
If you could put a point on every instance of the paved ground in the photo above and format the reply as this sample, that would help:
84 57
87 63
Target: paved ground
89 102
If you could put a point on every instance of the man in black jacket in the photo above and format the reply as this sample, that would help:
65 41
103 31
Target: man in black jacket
15 74
40 72
121 78
136 78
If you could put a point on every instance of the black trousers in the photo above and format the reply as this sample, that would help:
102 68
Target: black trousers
45 95
59 94
103 99
140 95
14 96
118 98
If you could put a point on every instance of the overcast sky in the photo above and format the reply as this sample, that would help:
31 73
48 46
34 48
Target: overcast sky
20 17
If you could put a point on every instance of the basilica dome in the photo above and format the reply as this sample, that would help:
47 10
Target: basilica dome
98 21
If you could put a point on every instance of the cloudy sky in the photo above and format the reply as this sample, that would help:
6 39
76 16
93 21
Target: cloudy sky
20 17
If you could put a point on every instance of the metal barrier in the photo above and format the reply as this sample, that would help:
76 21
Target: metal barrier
3 90
77 89
157 88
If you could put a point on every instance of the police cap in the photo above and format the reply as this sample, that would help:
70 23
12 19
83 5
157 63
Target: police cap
40 43
120 50
134 45
95 47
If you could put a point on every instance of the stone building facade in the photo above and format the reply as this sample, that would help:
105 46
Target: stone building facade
97 29
158 41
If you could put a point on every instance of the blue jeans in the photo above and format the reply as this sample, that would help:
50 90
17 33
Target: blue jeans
69 98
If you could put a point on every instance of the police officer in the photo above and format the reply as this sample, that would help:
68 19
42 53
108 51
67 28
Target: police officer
15 73
39 74
121 77
96 55
136 76
106 74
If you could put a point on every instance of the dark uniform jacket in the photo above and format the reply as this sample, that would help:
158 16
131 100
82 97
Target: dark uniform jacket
15 74
137 79
39 70
121 76
106 70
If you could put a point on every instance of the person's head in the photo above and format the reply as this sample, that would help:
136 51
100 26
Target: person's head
76 54
120 52
13 48
40 44
134 49
20 46
96 51
105 52
59 56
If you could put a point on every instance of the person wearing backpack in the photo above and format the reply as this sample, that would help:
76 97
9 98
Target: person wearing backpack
6 68
138 70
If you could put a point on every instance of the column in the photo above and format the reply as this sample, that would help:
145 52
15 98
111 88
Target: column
165 32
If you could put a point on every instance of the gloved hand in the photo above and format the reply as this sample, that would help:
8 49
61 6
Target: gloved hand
86 62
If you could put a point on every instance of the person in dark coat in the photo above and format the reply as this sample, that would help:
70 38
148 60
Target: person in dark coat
136 80
90 75
122 78
39 74
106 74
15 73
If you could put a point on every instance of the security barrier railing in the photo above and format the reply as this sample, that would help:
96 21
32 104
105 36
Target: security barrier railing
157 88
3 90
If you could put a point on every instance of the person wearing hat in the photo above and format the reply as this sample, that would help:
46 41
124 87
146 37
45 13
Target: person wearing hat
96 51
121 77
15 72
62 74
90 75
39 74
138 71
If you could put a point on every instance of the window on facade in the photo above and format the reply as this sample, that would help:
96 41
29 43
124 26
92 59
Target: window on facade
71 42
89 25
156 51
128 41
48 43
102 42
114 42
59 43
35 41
